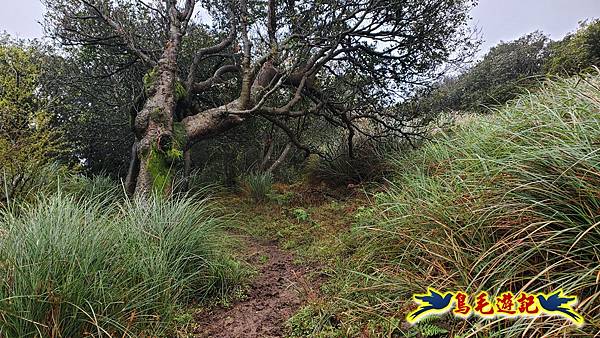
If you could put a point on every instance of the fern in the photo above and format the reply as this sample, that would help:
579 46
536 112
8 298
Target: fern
427 328
430 330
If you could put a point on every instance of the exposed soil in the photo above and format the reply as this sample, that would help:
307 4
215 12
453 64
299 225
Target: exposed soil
279 289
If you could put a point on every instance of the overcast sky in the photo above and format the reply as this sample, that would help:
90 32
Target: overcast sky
497 19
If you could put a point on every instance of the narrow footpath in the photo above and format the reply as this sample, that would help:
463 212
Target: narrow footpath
279 289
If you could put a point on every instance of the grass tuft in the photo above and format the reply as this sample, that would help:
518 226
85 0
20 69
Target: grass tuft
76 267
259 186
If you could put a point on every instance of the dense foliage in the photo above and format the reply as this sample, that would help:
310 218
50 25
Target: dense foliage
577 51
512 68
27 139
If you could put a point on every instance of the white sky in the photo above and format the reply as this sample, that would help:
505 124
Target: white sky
497 19
505 20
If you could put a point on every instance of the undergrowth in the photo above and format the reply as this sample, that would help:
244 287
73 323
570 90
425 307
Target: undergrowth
259 185
507 202
74 267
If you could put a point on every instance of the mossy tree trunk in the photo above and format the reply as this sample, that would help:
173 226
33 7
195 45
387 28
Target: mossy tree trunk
158 148
161 140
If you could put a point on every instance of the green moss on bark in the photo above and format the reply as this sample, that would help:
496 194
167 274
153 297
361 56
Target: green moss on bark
179 134
158 116
174 154
150 79
162 159
160 170
180 91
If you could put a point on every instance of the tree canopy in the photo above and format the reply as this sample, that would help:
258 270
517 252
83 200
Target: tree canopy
577 51
342 63
27 140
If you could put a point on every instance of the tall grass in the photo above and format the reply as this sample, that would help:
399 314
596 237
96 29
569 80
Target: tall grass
368 164
25 184
507 202
78 267
259 185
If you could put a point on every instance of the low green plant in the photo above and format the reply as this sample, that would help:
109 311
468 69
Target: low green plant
282 198
312 321
364 216
428 327
301 215
259 186
262 259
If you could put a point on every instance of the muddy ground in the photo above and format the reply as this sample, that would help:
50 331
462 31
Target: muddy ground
279 289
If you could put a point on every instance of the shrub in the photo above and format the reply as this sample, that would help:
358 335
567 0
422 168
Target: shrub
507 70
32 181
301 215
577 52
28 140
73 268
368 164
24 181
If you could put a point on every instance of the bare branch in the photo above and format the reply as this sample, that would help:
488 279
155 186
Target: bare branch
200 54
199 87
246 59
272 23
186 15
281 158
122 33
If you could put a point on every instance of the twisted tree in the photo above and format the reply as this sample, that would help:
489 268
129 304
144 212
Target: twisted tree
345 63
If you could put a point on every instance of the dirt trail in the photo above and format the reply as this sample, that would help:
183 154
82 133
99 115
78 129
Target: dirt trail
279 289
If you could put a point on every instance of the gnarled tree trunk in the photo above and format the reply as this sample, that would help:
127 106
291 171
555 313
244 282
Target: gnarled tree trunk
158 147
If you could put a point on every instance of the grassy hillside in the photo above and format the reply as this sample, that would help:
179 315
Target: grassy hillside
510 201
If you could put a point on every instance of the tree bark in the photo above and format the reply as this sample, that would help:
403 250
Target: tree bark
132 172
266 154
154 123
206 124
280 159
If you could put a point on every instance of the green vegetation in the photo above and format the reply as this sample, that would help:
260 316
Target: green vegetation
160 169
74 267
27 140
150 79
259 185
504 202
512 68
307 222
380 170
367 164
180 91
577 52
507 70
